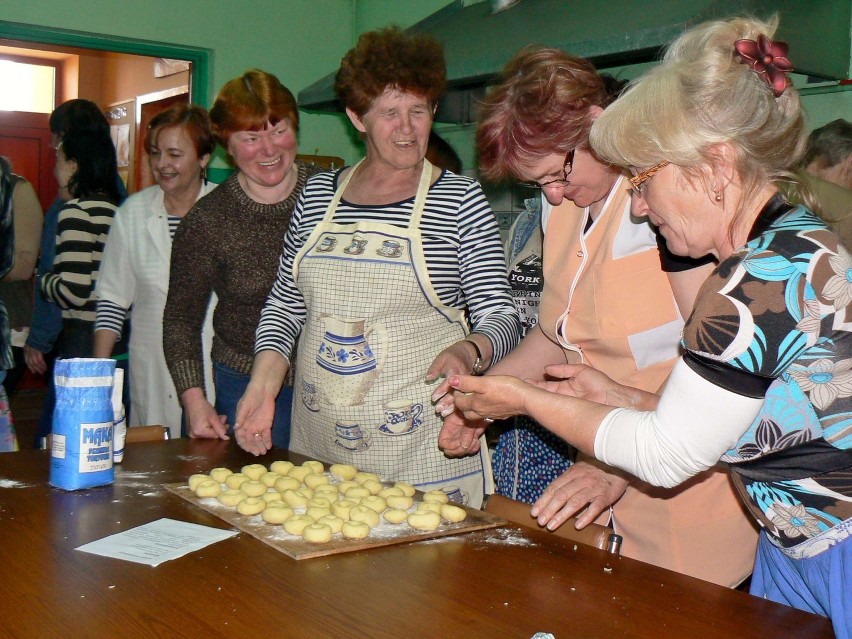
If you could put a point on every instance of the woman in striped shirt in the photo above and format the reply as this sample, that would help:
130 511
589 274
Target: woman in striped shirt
386 268
85 171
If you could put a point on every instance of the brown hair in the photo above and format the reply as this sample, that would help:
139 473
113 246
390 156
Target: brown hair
540 106
390 59
250 103
194 121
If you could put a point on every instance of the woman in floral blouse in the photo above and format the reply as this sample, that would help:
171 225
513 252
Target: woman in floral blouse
765 384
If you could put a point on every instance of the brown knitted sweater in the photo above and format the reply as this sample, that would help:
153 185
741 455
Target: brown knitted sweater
230 244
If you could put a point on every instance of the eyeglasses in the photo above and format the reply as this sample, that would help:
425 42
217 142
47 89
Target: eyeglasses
567 167
638 181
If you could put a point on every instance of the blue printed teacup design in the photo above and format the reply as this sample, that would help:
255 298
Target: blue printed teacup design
328 243
390 248
401 417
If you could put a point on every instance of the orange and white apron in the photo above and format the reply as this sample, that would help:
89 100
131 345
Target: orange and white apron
374 326
621 318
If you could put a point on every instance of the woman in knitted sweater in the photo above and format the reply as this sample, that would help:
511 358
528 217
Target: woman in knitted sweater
229 243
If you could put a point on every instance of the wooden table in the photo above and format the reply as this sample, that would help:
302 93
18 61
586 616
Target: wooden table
504 582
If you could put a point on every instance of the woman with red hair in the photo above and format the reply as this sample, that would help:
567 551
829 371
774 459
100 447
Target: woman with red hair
229 244
613 298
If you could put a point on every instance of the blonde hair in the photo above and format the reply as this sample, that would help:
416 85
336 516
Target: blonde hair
702 95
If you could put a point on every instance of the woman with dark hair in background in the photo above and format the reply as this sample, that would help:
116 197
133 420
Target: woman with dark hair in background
229 244
85 171
135 269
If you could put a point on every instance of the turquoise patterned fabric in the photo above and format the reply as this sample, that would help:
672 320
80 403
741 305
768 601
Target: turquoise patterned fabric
781 307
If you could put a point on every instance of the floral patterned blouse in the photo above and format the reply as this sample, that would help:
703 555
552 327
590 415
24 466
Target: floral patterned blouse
778 312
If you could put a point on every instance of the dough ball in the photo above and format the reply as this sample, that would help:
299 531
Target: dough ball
315 465
268 479
313 481
281 467
344 472
283 484
362 476
424 520
407 489
294 499
300 472
343 486
219 474
208 488
395 515
236 480
429 507
373 486
322 502
231 497
297 523
453 513
307 493
365 514
436 495
393 490
357 492
317 534
318 512
270 496
400 502
328 491
355 530
276 512
251 506
253 488
196 479
253 471
375 502
335 523
341 508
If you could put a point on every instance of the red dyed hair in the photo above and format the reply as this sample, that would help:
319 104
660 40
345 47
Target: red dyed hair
250 103
390 59
194 121
539 107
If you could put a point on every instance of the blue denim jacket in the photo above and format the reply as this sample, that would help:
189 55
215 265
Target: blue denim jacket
47 317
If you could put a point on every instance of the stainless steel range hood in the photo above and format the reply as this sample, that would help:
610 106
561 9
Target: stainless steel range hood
611 33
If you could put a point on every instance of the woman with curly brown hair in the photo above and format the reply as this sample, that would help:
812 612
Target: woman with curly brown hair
387 266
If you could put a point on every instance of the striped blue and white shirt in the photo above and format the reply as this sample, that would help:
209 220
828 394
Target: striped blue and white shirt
461 244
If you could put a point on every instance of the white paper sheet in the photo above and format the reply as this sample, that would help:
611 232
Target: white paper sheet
157 542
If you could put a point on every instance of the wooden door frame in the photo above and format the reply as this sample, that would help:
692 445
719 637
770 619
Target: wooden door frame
198 57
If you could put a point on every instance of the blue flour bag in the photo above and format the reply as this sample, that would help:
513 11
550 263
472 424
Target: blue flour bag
81 448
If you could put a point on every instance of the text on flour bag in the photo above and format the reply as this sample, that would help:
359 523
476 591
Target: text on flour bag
81 446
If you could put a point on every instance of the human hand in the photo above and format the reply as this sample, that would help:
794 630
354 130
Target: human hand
460 437
456 359
255 413
583 485
489 398
202 421
35 360
580 380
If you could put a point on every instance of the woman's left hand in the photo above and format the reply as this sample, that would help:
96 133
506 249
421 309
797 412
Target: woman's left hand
489 398
453 360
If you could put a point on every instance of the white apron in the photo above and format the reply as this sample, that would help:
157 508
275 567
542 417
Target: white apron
373 328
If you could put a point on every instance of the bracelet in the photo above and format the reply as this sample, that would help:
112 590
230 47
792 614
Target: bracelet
477 364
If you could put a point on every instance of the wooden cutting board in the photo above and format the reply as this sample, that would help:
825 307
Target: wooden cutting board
384 534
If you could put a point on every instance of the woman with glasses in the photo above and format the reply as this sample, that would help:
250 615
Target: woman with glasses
613 299
764 381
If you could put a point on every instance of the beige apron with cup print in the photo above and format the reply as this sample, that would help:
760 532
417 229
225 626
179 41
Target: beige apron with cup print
373 328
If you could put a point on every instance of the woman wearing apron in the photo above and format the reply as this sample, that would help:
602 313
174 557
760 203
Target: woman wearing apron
385 267
611 299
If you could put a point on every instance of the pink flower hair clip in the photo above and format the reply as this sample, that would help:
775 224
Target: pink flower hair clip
768 59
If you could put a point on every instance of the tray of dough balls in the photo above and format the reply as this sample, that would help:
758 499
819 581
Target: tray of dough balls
309 511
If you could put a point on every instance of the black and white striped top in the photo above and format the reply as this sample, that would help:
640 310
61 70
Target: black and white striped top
111 316
80 237
461 244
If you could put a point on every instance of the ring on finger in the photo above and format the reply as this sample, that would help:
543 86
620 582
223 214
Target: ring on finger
488 420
